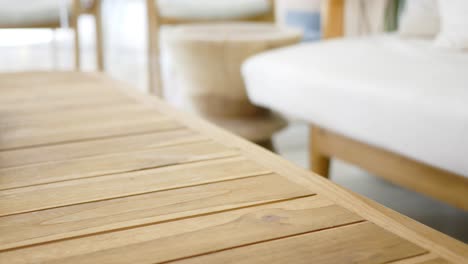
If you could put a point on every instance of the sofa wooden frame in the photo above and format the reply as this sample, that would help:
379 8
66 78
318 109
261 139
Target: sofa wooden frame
155 21
76 11
423 178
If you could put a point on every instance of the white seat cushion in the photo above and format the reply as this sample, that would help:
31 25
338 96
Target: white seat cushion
212 9
401 95
28 13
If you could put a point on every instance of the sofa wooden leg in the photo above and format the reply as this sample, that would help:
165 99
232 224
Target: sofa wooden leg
318 161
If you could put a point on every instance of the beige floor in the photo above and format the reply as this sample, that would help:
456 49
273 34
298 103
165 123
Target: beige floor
126 61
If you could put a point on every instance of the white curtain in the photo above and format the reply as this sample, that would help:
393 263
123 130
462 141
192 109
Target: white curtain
364 17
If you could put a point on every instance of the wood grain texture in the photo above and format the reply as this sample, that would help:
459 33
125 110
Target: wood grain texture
155 207
78 191
429 258
438 243
56 171
65 117
30 107
79 90
37 80
213 232
435 261
94 129
253 207
360 243
75 150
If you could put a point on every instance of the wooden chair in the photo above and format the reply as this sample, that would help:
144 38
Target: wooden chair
49 17
156 19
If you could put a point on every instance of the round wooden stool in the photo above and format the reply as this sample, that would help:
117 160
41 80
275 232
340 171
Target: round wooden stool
208 59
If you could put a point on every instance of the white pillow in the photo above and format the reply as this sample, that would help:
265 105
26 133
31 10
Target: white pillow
420 18
454 24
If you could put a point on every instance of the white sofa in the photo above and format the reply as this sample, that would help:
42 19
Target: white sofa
404 96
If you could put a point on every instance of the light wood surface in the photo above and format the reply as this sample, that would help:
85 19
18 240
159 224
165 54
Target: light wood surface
186 193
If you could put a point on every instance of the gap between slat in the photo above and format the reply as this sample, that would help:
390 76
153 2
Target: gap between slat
172 220
135 194
177 126
265 240
139 169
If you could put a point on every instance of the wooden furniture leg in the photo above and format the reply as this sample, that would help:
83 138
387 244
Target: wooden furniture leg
333 25
423 178
74 24
319 161
154 67
99 37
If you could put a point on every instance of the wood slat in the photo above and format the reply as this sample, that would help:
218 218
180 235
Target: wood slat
28 156
83 219
440 244
66 117
429 258
33 137
43 82
359 243
111 164
193 236
49 105
71 192
51 123
435 261
31 80
44 93
68 197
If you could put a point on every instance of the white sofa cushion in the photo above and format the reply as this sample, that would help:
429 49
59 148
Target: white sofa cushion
212 9
27 13
405 96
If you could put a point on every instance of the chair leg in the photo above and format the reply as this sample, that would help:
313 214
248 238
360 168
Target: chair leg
54 49
99 36
319 162
74 19
154 67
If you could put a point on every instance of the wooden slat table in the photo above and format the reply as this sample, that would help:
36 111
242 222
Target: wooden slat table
92 173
